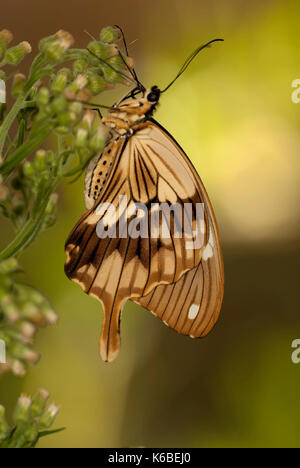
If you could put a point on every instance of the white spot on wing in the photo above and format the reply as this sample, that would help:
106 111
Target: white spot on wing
207 252
193 312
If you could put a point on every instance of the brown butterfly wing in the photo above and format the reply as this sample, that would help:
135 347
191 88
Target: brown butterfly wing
192 305
148 168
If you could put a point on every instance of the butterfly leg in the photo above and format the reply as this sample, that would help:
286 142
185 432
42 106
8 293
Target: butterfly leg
99 112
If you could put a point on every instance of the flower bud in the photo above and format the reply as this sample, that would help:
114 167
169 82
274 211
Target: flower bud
16 54
97 49
79 83
55 46
76 108
28 169
40 162
129 61
109 35
45 42
49 416
49 314
87 120
67 119
28 331
9 308
60 81
9 266
65 39
111 75
96 84
54 51
98 140
39 403
84 95
81 138
50 158
18 84
59 104
22 409
31 312
27 293
79 66
102 51
22 352
34 90
43 96
17 368
32 357
6 36
62 130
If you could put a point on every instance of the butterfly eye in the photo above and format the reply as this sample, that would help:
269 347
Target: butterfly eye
152 97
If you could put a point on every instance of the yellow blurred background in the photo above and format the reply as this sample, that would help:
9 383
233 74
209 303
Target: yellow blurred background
232 112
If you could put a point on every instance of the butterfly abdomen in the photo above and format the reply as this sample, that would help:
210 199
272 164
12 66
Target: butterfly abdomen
97 174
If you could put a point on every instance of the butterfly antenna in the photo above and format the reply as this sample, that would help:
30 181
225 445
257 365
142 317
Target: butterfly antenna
123 38
112 68
131 70
189 60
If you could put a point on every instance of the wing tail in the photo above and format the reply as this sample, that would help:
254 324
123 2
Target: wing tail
110 341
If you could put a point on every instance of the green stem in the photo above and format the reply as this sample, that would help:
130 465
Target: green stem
24 150
19 104
9 120
31 228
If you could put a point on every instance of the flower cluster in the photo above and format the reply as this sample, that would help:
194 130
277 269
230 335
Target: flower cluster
32 419
23 310
52 99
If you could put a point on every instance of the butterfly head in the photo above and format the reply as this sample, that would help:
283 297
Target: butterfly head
152 95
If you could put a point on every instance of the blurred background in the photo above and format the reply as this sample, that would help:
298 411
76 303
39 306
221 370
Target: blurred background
232 112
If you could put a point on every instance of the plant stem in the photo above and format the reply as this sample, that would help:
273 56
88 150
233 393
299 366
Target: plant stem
9 120
31 228
24 150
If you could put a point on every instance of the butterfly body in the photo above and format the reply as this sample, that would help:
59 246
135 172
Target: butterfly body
178 278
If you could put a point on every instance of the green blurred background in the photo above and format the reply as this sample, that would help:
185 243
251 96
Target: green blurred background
233 114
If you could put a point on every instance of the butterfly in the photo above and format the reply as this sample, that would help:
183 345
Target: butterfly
143 165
